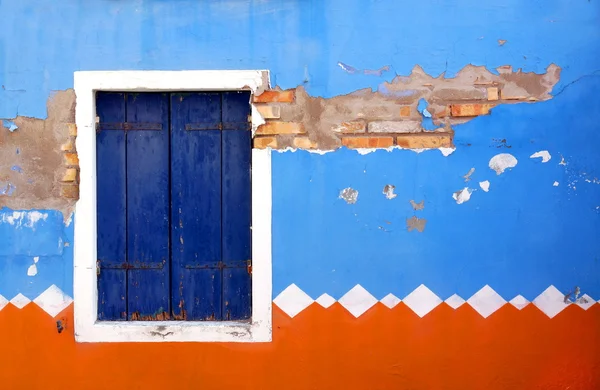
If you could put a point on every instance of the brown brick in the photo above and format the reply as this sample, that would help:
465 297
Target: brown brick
67 146
69 175
444 113
286 96
357 126
276 127
492 93
367 142
265 142
70 191
425 141
71 159
405 111
72 129
269 112
304 143
471 109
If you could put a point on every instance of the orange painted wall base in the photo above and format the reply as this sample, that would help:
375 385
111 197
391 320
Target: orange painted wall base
322 349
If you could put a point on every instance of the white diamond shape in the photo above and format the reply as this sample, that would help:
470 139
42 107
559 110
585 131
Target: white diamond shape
519 302
3 302
357 301
53 300
325 300
585 302
486 301
390 300
551 301
293 300
20 301
455 301
422 300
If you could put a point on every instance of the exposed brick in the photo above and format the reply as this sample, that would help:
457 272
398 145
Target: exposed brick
286 96
72 129
394 127
304 143
443 113
425 141
357 126
470 109
367 142
492 93
69 175
276 127
265 142
68 146
269 112
405 111
70 191
71 159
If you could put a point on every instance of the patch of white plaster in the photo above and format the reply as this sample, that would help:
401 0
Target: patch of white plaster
447 151
350 195
388 191
485 185
501 162
24 218
555 184
32 270
462 196
543 154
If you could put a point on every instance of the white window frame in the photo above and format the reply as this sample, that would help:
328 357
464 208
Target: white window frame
87 326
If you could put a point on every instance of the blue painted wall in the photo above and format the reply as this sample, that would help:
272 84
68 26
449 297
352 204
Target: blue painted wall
520 237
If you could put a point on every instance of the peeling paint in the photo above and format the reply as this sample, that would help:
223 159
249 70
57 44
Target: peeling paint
416 223
555 184
544 154
388 191
352 70
32 270
485 185
501 162
10 125
23 218
467 177
350 195
462 196
417 206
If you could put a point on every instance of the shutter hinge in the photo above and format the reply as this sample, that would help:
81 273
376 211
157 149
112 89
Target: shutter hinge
98 268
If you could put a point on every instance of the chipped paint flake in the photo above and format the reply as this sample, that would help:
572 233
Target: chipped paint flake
388 191
462 196
23 218
350 195
555 184
446 151
485 185
467 177
501 162
10 125
417 206
416 223
543 154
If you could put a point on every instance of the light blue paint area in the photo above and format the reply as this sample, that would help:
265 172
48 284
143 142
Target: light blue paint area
16 168
289 37
520 237
10 125
7 188
422 108
22 239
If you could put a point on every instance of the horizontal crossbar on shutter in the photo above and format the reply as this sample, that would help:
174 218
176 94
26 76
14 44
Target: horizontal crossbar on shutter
129 126
221 265
132 265
218 126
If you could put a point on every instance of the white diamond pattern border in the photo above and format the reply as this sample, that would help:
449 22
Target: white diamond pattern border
52 301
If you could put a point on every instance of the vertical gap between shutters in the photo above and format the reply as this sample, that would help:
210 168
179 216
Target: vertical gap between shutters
170 195
221 176
125 98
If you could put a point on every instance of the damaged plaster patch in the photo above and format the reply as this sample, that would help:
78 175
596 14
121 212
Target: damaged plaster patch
485 185
388 191
417 206
447 151
350 195
27 219
39 158
555 184
416 223
544 154
32 270
10 125
502 162
352 70
462 196
467 177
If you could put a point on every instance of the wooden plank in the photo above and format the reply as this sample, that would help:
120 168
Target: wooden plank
196 207
148 201
111 208
236 208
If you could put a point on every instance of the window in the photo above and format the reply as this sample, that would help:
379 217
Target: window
131 165
174 198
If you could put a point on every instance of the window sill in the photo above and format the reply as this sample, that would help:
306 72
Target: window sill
173 331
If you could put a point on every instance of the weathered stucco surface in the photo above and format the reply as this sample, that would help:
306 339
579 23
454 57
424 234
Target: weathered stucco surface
34 158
